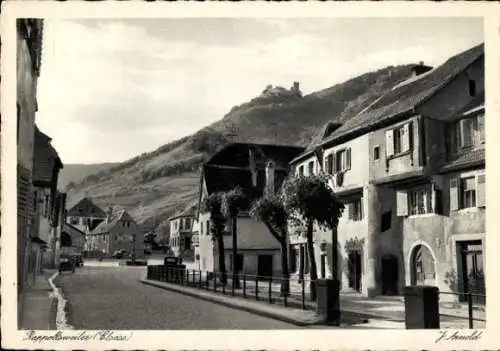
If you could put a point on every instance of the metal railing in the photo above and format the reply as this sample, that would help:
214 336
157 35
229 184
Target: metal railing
259 288
475 306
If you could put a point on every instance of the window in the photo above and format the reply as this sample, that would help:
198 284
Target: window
208 227
293 259
386 221
420 200
468 192
187 243
472 87
188 223
355 210
398 140
342 160
301 170
329 164
376 152
468 132
73 220
310 168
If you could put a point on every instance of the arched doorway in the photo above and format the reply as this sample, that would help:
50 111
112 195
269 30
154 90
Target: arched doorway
65 239
422 266
390 275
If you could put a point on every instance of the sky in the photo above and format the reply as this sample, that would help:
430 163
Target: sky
110 90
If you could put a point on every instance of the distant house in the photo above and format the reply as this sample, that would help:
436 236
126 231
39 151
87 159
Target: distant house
72 240
181 232
47 202
253 167
85 215
118 232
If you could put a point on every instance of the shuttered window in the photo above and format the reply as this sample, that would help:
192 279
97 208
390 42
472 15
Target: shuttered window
355 210
24 201
481 190
420 200
398 140
342 160
329 163
402 203
468 192
310 167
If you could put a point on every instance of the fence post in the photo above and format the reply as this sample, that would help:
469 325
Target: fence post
244 286
199 281
285 297
215 281
303 294
256 288
469 303
270 289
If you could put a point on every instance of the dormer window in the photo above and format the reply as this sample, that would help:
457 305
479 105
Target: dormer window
301 170
472 87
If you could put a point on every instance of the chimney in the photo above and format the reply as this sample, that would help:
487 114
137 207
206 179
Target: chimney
420 68
270 176
109 213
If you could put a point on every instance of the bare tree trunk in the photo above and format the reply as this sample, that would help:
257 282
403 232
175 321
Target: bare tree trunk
222 263
235 277
285 283
312 260
335 258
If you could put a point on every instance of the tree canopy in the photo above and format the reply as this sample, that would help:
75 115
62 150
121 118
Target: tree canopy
270 210
311 198
233 201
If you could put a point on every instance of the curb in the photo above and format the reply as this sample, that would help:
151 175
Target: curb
61 309
219 301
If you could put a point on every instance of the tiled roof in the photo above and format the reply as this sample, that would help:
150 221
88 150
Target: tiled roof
404 98
86 208
469 158
45 158
115 217
237 154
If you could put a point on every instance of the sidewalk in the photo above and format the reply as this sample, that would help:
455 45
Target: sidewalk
277 311
39 308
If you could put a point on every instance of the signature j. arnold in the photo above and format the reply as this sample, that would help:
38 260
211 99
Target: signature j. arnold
459 336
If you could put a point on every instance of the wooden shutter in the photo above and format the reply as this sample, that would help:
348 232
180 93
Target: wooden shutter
405 138
350 210
327 164
389 142
480 127
348 158
334 162
402 203
454 193
481 190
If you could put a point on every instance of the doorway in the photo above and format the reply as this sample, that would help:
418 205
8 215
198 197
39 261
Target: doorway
354 269
265 266
472 271
423 269
390 275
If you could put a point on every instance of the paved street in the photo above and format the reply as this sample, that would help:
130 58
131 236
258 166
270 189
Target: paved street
113 298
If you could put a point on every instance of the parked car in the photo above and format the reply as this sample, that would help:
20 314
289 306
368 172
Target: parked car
119 254
66 263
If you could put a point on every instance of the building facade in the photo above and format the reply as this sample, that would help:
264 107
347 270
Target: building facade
48 201
252 167
29 46
118 233
415 199
181 235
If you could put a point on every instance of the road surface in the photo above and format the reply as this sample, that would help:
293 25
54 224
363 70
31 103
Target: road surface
113 298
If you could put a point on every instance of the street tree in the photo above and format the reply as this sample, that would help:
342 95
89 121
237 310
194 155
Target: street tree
212 204
310 201
233 202
270 211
